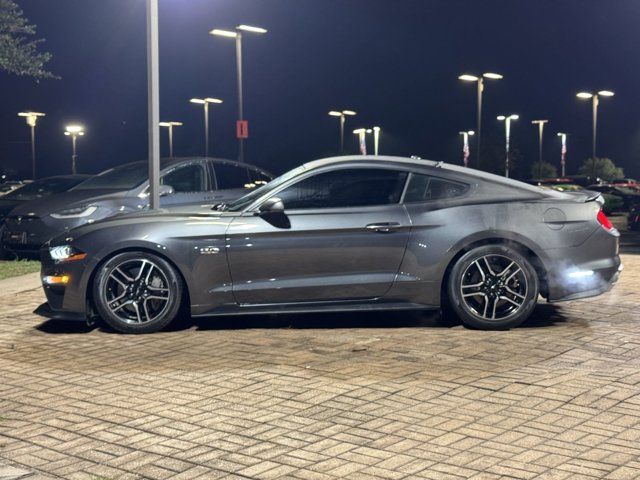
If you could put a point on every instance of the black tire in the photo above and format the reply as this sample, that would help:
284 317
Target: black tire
484 296
137 292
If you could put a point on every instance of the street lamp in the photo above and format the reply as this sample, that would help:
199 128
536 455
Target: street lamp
242 127
563 150
595 101
343 114
74 131
540 124
479 79
465 145
169 126
32 118
376 140
362 138
205 102
507 134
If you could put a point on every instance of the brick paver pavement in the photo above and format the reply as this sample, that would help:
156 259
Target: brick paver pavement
370 396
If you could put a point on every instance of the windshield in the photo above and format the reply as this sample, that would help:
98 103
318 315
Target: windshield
243 202
124 177
42 188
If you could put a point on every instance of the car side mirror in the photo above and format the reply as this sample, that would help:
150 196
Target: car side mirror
165 190
272 211
273 205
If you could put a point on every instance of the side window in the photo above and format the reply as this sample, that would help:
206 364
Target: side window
356 187
190 178
258 178
230 176
423 188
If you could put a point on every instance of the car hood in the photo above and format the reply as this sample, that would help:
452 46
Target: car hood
70 199
8 204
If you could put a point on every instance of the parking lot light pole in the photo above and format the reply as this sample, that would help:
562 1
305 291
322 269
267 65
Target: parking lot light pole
479 79
563 151
153 103
74 131
362 139
237 34
507 134
465 146
540 124
376 140
205 102
342 114
169 126
32 119
595 97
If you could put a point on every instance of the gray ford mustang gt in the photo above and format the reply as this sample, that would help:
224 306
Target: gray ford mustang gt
345 233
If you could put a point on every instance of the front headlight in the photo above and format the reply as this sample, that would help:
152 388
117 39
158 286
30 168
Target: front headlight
76 212
64 253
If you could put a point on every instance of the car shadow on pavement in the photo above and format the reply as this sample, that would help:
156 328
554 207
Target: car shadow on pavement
544 315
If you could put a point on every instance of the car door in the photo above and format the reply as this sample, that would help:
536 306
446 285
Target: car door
190 184
341 237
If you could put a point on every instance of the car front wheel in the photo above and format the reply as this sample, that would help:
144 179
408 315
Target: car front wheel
137 292
493 287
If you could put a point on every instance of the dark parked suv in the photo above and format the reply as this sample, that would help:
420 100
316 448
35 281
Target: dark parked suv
124 189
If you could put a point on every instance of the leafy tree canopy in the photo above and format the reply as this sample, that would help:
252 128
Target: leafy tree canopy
19 53
543 170
601 167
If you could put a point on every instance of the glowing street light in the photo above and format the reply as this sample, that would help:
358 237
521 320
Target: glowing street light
376 140
479 80
595 97
465 145
242 126
74 131
362 138
540 124
169 126
342 114
563 150
205 102
507 134
32 119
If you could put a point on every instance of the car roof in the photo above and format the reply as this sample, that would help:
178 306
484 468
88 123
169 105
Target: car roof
421 163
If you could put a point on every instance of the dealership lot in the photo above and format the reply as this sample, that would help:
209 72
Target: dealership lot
326 396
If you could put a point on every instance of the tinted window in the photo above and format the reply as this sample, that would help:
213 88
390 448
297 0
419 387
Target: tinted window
186 179
230 176
422 188
345 188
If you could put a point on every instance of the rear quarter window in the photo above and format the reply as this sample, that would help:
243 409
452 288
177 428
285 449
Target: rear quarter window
423 188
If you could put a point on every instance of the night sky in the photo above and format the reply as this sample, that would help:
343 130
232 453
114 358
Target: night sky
396 62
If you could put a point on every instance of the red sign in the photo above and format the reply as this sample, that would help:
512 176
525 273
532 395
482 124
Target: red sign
242 129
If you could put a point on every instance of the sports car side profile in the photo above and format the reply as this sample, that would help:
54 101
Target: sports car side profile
344 233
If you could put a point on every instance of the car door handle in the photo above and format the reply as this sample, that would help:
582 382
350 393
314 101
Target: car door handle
383 227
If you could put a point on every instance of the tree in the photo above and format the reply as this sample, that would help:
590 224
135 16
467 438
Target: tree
543 170
19 54
601 167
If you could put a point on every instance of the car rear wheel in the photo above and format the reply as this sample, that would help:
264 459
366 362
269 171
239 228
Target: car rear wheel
137 292
493 287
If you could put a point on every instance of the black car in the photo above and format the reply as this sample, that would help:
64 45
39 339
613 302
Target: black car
628 195
124 189
347 233
41 188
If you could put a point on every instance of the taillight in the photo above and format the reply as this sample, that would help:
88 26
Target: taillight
604 221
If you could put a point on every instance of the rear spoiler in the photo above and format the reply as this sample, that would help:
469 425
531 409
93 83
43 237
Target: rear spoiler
587 196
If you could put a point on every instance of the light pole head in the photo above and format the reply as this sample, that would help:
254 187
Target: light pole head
584 95
223 33
212 100
74 130
501 118
539 122
492 76
468 78
170 124
376 129
471 132
31 117
334 113
348 112
606 93
358 131
200 101
248 28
